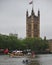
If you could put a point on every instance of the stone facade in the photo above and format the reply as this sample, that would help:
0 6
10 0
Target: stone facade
50 45
32 25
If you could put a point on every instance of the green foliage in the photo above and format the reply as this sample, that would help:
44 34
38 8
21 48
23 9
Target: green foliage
12 42
36 44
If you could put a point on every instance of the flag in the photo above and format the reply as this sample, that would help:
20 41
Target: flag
31 2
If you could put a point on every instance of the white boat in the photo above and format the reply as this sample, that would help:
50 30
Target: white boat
16 54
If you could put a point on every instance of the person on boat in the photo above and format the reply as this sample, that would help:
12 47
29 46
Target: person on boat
33 54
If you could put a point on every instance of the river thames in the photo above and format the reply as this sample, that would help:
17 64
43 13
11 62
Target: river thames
45 59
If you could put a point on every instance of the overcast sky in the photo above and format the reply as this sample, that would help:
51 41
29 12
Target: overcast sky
13 16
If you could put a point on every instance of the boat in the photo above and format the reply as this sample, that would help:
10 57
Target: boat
17 54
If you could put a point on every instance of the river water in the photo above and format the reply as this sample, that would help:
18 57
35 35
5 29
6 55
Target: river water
45 59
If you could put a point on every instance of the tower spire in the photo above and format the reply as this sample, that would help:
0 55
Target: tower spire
27 13
32 11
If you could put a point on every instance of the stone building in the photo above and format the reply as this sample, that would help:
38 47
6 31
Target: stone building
32 24
50 45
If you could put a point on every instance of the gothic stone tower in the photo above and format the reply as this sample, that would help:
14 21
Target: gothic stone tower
32 25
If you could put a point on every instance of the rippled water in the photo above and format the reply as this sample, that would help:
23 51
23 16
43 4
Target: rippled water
45 59
6 60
